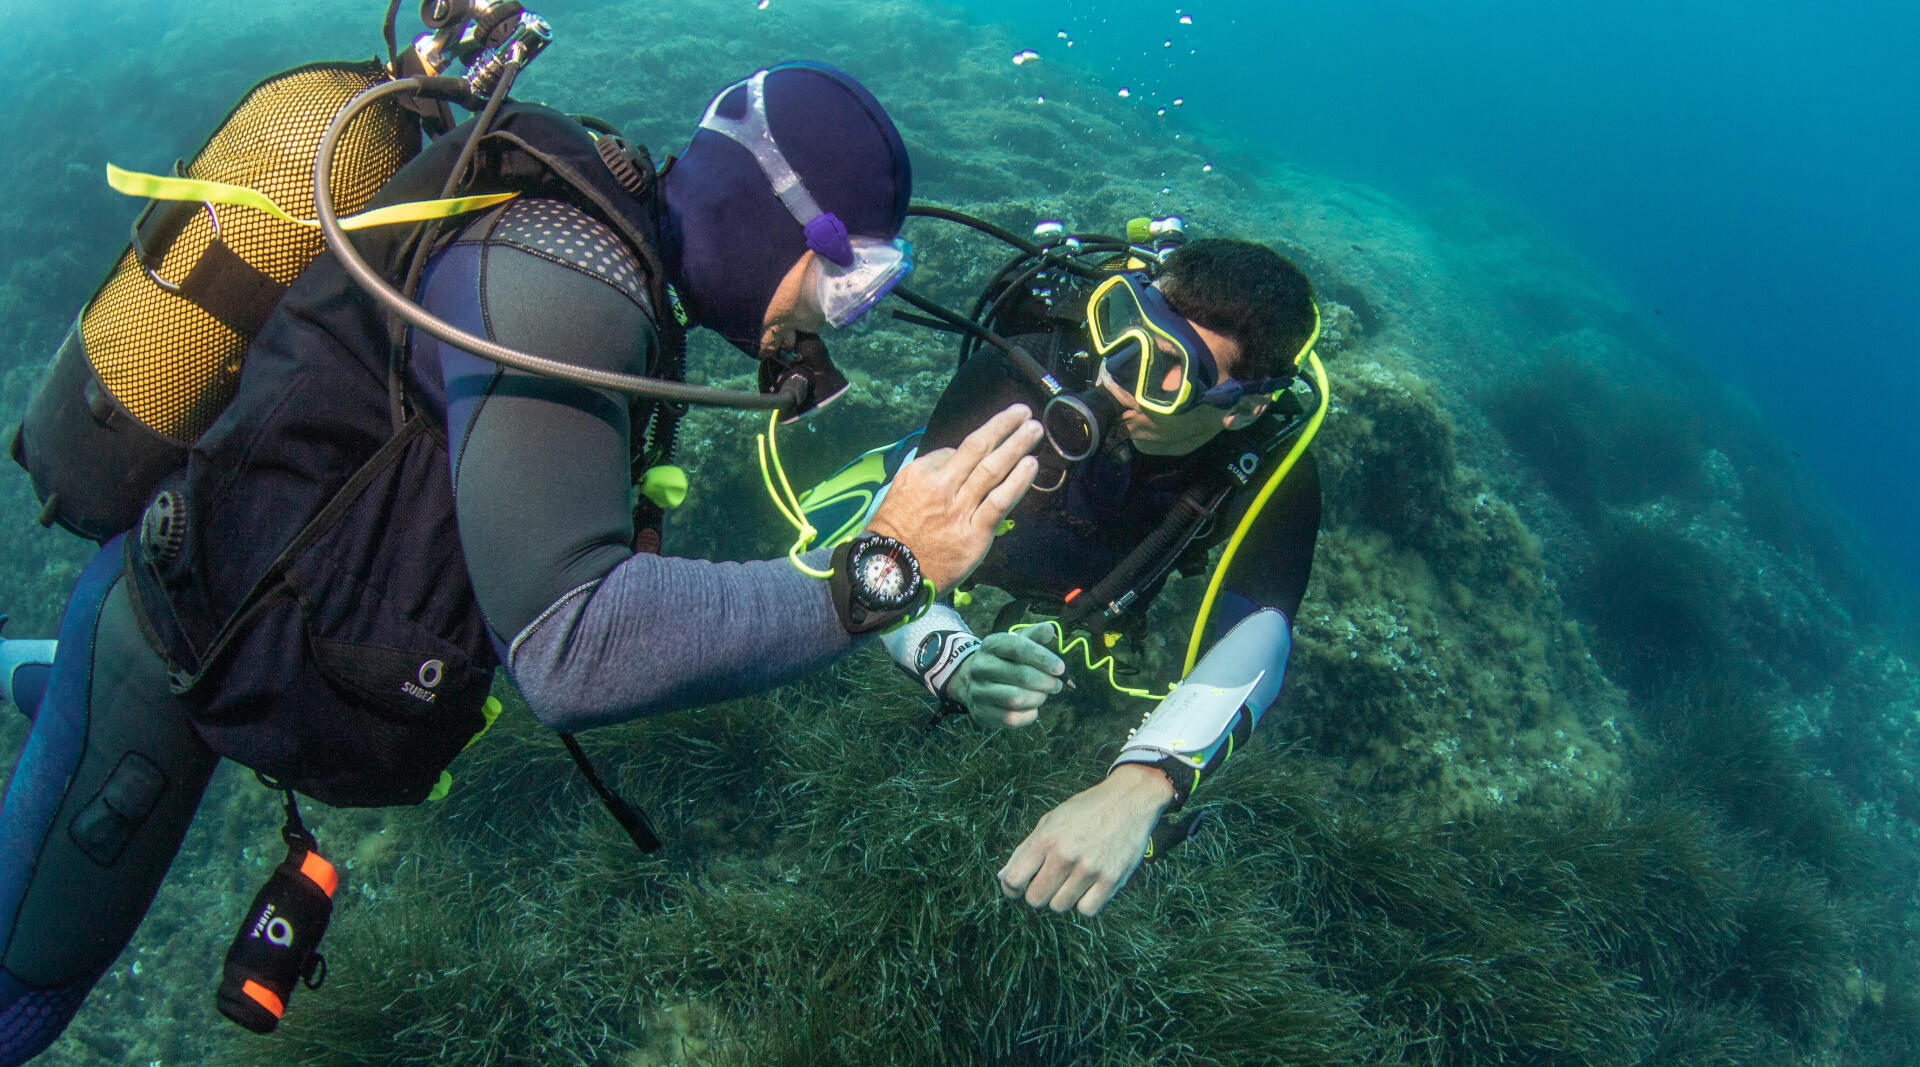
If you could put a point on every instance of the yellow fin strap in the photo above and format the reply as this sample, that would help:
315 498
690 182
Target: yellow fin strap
665 485
1253 512
159 187
1086 654
491 711
784 499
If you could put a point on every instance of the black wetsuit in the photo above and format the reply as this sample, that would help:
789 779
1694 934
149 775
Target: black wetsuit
591 631
1070 539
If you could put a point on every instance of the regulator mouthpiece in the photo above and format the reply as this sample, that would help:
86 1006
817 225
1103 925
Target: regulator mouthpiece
807 375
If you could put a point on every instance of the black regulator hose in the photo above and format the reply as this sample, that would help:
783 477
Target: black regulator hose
932 211
425 321
1023 361
1178 528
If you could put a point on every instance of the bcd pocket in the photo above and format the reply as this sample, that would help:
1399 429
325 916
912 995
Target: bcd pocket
358 668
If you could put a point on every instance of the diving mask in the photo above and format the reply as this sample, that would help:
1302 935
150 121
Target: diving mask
1155 353
854 272
844 293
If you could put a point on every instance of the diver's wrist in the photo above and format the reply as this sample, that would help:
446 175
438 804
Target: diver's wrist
1145 781
1181 776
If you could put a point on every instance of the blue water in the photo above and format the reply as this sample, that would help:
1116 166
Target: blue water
1744 171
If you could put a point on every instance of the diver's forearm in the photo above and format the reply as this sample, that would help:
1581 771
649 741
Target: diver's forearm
1215 708
661 634
1145 781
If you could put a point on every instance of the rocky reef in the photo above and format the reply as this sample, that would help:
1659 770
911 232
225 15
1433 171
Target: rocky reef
1598 744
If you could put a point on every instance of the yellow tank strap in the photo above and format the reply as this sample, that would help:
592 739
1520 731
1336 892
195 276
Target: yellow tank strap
1253 512
160 187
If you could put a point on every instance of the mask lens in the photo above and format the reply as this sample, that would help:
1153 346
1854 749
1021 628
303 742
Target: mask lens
1149 348
844 294
1116 313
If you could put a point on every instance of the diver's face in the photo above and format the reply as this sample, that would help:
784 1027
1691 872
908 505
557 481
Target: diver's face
1155 434
791 312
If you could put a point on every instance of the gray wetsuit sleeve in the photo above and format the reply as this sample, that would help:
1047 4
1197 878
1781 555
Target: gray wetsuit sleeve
595 634
658 634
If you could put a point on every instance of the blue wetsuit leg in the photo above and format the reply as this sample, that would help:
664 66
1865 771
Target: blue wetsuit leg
29 686
93 814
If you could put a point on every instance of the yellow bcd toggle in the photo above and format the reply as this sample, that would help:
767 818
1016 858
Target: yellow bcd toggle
491 710
665 485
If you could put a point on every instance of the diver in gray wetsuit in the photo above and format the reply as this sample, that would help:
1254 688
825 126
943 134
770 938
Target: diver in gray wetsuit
591 630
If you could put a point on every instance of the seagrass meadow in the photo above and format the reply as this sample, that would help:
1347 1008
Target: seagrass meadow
1598 744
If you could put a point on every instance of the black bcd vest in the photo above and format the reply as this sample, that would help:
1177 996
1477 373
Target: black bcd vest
311 594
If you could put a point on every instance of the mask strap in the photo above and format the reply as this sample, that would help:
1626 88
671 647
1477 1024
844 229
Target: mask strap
825 233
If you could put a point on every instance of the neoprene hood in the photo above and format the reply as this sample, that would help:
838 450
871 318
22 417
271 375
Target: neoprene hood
729 240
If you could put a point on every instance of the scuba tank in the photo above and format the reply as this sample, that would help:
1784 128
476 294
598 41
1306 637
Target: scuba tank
156 353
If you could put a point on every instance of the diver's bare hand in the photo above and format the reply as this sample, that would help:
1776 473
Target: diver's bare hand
945 504
1008 677
1083 852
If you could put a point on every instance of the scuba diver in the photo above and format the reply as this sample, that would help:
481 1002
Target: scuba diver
1165 373
378 516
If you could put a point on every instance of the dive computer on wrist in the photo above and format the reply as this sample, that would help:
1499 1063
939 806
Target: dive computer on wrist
876 583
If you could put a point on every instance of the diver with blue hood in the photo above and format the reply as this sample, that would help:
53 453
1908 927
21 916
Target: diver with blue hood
379 516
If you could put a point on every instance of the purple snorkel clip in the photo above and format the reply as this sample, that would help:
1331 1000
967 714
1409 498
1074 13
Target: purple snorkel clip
827 235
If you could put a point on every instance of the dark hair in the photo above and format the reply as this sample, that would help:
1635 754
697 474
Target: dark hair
1246 291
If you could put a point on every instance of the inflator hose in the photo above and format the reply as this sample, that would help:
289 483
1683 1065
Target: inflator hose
425 321
1180 525
1022 360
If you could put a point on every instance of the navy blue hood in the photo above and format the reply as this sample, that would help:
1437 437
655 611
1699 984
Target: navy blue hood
728 240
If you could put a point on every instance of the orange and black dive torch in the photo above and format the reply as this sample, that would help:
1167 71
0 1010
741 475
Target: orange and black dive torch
278 944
